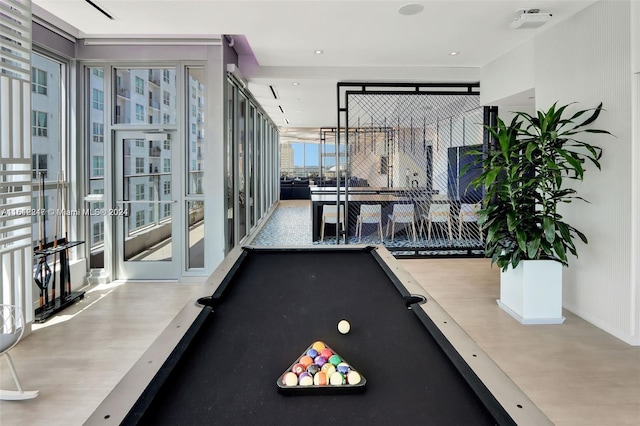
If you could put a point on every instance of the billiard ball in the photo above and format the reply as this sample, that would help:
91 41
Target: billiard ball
335 359
336 379
328 369
290 379
353 377
318 346
344 326
320 360
313 369
306 380
320 379
312 353
343 367
326 353
298 368
306 360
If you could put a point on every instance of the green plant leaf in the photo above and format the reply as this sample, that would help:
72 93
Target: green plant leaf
521 238
491 177
532 248
511 220
549 229
558 246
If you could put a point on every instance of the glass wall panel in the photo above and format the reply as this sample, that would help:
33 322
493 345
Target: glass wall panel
195 235
95 152
240 169
145 96
47 130
231 91
195 130
299 160
260 164
146 166
251 166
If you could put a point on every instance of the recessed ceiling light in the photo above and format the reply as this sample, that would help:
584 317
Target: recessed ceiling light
318 52
454 53
410 9
295 83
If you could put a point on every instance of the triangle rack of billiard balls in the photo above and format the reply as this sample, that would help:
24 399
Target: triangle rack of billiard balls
320 371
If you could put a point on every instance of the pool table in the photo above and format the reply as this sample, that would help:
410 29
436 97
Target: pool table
219 362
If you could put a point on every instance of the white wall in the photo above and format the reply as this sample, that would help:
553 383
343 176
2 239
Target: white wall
635 174
507 75
587 59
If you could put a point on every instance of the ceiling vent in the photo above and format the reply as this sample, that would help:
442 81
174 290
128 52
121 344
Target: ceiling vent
274 91
100 9
530 18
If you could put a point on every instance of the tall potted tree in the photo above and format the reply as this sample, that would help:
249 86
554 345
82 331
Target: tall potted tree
524 175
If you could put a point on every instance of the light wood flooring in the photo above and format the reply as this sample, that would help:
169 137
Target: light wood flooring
574 372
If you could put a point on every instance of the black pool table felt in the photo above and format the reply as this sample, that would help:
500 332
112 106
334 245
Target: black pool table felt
269 315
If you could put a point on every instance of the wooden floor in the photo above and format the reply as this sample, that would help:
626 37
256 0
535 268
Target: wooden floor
575 373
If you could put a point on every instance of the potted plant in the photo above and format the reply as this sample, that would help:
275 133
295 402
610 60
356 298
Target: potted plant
524 175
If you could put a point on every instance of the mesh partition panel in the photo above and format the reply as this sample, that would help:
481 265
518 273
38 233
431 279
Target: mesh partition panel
404 150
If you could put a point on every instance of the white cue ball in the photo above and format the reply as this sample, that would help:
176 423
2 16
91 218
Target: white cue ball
344 326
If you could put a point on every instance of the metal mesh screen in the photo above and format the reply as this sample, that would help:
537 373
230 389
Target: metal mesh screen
403 152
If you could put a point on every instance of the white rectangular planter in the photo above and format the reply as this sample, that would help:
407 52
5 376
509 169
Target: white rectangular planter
532 292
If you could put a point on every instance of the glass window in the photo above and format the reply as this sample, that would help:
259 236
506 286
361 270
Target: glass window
140 143
166 210
229 168
166 165
166 145
152 88
195 150
97 234
95 122
139 82
139 192
240 166
167 187
39 165
98 99
48 120
38 81
140 214
195 239
139 165
38 123
97 134
98 165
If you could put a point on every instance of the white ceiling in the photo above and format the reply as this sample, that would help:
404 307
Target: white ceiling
362 40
